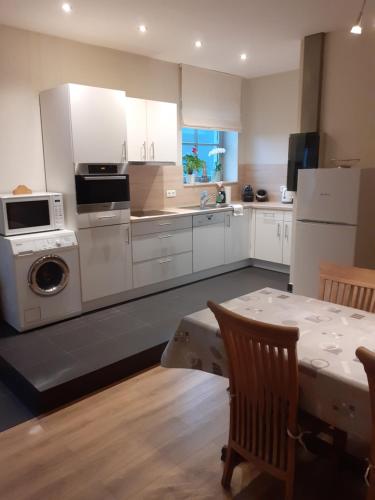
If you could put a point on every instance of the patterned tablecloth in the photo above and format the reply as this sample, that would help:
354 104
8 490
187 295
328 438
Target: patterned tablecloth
333 383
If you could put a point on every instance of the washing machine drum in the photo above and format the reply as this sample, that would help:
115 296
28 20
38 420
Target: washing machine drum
48 275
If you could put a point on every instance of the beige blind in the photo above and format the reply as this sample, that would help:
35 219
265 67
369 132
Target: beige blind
210 99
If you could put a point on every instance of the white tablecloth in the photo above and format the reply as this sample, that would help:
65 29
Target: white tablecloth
333 382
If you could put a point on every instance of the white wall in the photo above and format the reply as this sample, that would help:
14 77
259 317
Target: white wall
348 97
30 62
269 115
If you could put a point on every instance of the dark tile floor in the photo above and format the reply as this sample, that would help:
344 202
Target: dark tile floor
61 352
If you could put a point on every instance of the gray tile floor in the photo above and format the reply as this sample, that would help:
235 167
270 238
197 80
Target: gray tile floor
58 352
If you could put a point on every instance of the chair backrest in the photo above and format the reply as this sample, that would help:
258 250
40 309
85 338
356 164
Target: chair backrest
367 358
348 286
263 373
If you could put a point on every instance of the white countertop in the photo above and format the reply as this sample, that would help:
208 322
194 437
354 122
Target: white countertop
181 211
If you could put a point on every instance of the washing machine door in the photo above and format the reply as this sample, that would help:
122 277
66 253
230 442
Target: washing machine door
48 275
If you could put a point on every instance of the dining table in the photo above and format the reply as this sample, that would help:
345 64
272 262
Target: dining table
333 383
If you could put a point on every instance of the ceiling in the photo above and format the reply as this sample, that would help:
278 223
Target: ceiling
269 31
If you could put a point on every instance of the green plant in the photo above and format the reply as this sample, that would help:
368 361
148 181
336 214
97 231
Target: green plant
192 163
218 167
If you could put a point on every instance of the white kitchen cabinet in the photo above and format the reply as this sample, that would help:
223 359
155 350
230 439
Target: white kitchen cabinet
153 246
237 236
106 261
287 238
136 116
268 243
162 131
98 124
208 241
152 130
165 268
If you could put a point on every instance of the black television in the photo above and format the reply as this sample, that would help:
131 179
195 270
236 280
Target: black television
303 153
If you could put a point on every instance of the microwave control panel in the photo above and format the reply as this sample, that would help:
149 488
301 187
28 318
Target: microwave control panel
58 211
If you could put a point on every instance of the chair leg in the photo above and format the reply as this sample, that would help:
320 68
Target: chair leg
231 460
289 487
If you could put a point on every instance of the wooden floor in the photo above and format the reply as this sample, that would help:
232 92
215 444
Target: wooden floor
156 436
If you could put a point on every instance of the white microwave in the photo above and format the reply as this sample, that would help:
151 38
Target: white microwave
31 213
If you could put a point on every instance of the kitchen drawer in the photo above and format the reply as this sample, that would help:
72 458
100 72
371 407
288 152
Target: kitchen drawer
208 219
269 215
153 246
154 271
161 225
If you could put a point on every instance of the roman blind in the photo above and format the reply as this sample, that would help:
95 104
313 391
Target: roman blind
210 99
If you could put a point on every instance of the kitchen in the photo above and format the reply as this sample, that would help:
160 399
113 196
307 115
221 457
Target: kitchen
142 120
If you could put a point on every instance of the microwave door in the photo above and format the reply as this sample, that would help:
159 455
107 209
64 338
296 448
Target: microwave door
22 217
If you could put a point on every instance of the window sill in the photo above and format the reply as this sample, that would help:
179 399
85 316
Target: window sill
198 184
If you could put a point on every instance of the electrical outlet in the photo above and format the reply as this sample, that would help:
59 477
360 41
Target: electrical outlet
171 193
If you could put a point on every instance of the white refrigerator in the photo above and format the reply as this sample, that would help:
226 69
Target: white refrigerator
335 222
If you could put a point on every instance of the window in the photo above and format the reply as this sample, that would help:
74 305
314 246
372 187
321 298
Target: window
209 155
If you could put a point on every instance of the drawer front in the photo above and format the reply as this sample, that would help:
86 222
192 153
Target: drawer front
153 246
288 216
269 215
208 219
161 225
165 268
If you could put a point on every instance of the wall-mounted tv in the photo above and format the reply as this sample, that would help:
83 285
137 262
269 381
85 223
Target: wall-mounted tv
303 153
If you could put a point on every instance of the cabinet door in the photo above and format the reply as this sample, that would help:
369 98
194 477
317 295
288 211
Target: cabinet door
287 239
162 131
136 119
208 246
98 118
269 236
237 237
106 262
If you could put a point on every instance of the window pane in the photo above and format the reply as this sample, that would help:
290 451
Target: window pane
208 137
188 135
187 149
210 160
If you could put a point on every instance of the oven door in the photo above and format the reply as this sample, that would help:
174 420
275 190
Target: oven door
97 193
24 216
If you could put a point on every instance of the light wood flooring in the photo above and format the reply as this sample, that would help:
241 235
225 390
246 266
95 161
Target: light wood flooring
156 436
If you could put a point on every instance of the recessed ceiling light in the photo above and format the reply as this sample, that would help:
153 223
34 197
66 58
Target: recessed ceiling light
66 7
142 28
243 57
198 44
356 29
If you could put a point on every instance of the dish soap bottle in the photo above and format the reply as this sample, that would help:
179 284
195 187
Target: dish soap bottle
220 197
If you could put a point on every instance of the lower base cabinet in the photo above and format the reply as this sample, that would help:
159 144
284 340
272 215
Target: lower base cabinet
106 261
166 268
237 237
208 241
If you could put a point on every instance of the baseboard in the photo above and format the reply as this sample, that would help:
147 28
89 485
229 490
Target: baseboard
271 266
137 293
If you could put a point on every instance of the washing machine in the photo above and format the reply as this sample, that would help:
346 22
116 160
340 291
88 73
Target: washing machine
39 278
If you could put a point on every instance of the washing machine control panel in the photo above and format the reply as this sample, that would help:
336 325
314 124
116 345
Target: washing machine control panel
26 246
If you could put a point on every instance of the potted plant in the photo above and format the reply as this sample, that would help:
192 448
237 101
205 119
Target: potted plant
218 165
192 165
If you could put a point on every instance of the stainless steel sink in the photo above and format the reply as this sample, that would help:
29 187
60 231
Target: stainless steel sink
209 206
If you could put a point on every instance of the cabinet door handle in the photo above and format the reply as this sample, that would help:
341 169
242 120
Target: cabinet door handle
278 230
144 151
128 235
229 220
286 232
152 151
165 236
165 223
124 152
164 261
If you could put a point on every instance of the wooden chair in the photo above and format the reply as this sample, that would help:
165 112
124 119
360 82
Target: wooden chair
263 377
348 286
367 358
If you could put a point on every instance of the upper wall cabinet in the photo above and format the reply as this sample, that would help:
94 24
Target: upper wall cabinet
98 124
85 124
151 131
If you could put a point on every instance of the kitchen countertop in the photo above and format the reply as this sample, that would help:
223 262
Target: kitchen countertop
181 211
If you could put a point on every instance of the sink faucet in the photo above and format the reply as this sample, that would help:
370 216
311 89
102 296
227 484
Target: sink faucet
205 197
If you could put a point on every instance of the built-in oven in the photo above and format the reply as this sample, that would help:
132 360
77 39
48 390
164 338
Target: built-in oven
101 187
